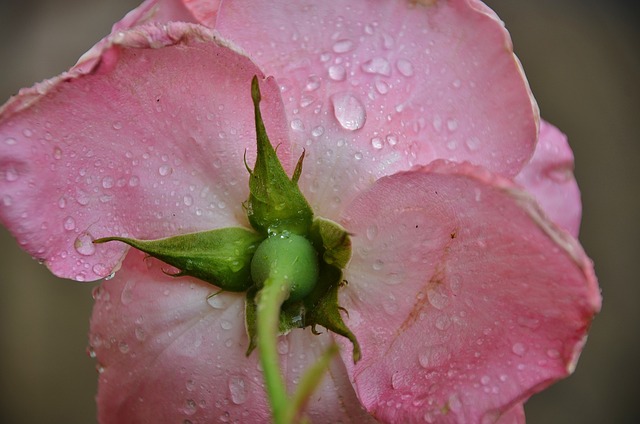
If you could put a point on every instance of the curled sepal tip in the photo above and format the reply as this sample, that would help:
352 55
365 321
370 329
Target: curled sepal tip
275 202
221 257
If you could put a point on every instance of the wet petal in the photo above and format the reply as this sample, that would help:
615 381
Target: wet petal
371 89
549 177
464 298
167 353
147 143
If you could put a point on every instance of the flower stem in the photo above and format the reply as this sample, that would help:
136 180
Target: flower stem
269 300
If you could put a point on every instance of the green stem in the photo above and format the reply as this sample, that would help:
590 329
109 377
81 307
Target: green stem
269 300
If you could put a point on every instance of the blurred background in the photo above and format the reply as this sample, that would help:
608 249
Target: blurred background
582 58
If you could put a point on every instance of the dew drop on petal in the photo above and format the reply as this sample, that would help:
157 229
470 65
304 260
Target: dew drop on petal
376 143
405 67
69 223
126 297
11 174
392 139
349 111
372 232
190 407
337 72
519 349
343 46
10 141
238 390
165 170
84 244
377 65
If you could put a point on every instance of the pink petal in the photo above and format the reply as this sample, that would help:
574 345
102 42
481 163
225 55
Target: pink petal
371 88
464 298
148 142
515 415
167 354
549 177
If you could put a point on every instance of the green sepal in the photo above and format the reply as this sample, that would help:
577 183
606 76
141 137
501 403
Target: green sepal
322 307
250 317
275 202
221 257
334 240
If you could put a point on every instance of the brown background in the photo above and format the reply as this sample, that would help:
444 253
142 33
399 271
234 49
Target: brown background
583 61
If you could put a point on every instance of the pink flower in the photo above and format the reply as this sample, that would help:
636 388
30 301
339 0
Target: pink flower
466 295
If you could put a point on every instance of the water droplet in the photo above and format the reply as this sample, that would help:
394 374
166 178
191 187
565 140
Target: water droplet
456 83
117 125
485 379
226 324
437 298
313 83
392 139
297 125
283 346
107 182
442 322
376 143
84 244
190 407
455 405
372 232
387 41
141 335
382 87
190 385
27 132
165 170
92 353
358 155
378 265
553 353
343 46
69 224
452 124
188 200
11 173
134 181
7 200
349 111
337 72
123 347
405 67
437 123
238 390
377 65
126 297
472 143
519 349
10 141
57 153
424 359
317 131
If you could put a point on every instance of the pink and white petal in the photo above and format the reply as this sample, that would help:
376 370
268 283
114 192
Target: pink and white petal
166 353
549 177
515 415
150 11
465 299
205 11
372 88
147 143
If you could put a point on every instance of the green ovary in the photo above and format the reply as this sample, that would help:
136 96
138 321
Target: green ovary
289 258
